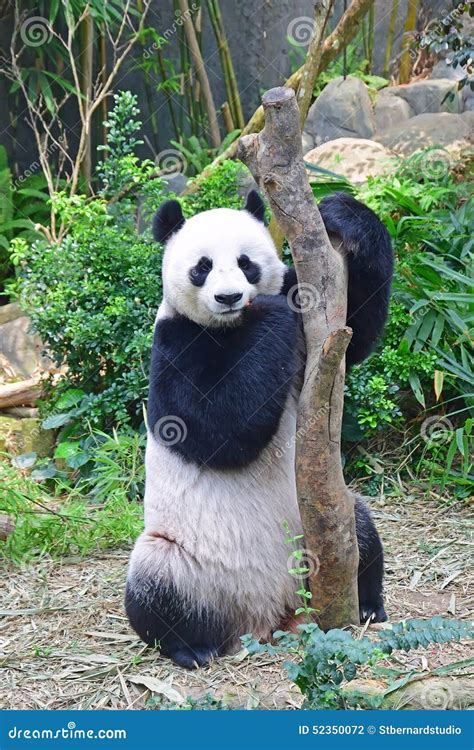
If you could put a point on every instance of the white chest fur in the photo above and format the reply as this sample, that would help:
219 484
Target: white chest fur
227 529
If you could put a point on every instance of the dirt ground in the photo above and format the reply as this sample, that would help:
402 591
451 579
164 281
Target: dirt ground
65 642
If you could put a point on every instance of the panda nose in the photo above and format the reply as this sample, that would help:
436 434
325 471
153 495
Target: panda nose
228 299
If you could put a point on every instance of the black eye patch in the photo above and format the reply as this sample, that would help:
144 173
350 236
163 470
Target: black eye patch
250 269
199 273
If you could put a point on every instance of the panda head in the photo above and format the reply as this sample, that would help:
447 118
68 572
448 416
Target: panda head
216 262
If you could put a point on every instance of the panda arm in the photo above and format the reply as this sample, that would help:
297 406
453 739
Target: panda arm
226 387
370 267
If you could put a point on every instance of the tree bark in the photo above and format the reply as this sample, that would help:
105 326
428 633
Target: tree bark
24 393
343 34
310 69
275 159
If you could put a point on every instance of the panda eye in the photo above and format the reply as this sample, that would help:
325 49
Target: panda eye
198 274
244 262
205 264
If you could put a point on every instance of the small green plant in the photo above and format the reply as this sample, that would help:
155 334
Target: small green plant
122 167
57 512
325 664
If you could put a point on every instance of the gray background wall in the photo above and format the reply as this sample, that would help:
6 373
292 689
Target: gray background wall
257 32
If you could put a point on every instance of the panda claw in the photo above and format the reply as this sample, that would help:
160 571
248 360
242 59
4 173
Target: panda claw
193 657
372 613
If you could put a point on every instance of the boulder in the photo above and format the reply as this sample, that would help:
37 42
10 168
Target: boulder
19 436
343 109
354 158
10 312
21 349
428 95
174 183
391 110
442 70
449 131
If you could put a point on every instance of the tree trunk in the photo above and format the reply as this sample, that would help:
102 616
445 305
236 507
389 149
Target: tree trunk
327 510
410 26
24 393
86 63
200 72
310 69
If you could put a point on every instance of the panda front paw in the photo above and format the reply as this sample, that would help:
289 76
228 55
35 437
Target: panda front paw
192 657
372 611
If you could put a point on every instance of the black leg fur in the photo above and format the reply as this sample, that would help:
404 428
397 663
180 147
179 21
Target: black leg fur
370 577
161 618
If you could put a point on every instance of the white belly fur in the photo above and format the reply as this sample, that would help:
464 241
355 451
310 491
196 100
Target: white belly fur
229 549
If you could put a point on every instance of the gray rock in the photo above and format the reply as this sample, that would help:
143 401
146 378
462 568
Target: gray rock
391 110
354 158
343 109
428 96
245 182
307 141
10 312
175 183
443 70
20 348
449 131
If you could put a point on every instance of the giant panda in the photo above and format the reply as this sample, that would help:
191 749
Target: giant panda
226 370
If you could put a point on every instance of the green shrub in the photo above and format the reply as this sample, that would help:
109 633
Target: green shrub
327 663
93 300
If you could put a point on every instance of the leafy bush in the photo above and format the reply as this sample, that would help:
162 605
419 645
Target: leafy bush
430 321
326 663
93 300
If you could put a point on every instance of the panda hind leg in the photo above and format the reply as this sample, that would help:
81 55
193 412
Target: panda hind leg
189 636
371 568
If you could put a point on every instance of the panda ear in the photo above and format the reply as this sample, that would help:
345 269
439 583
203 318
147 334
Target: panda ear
168 219
255 205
